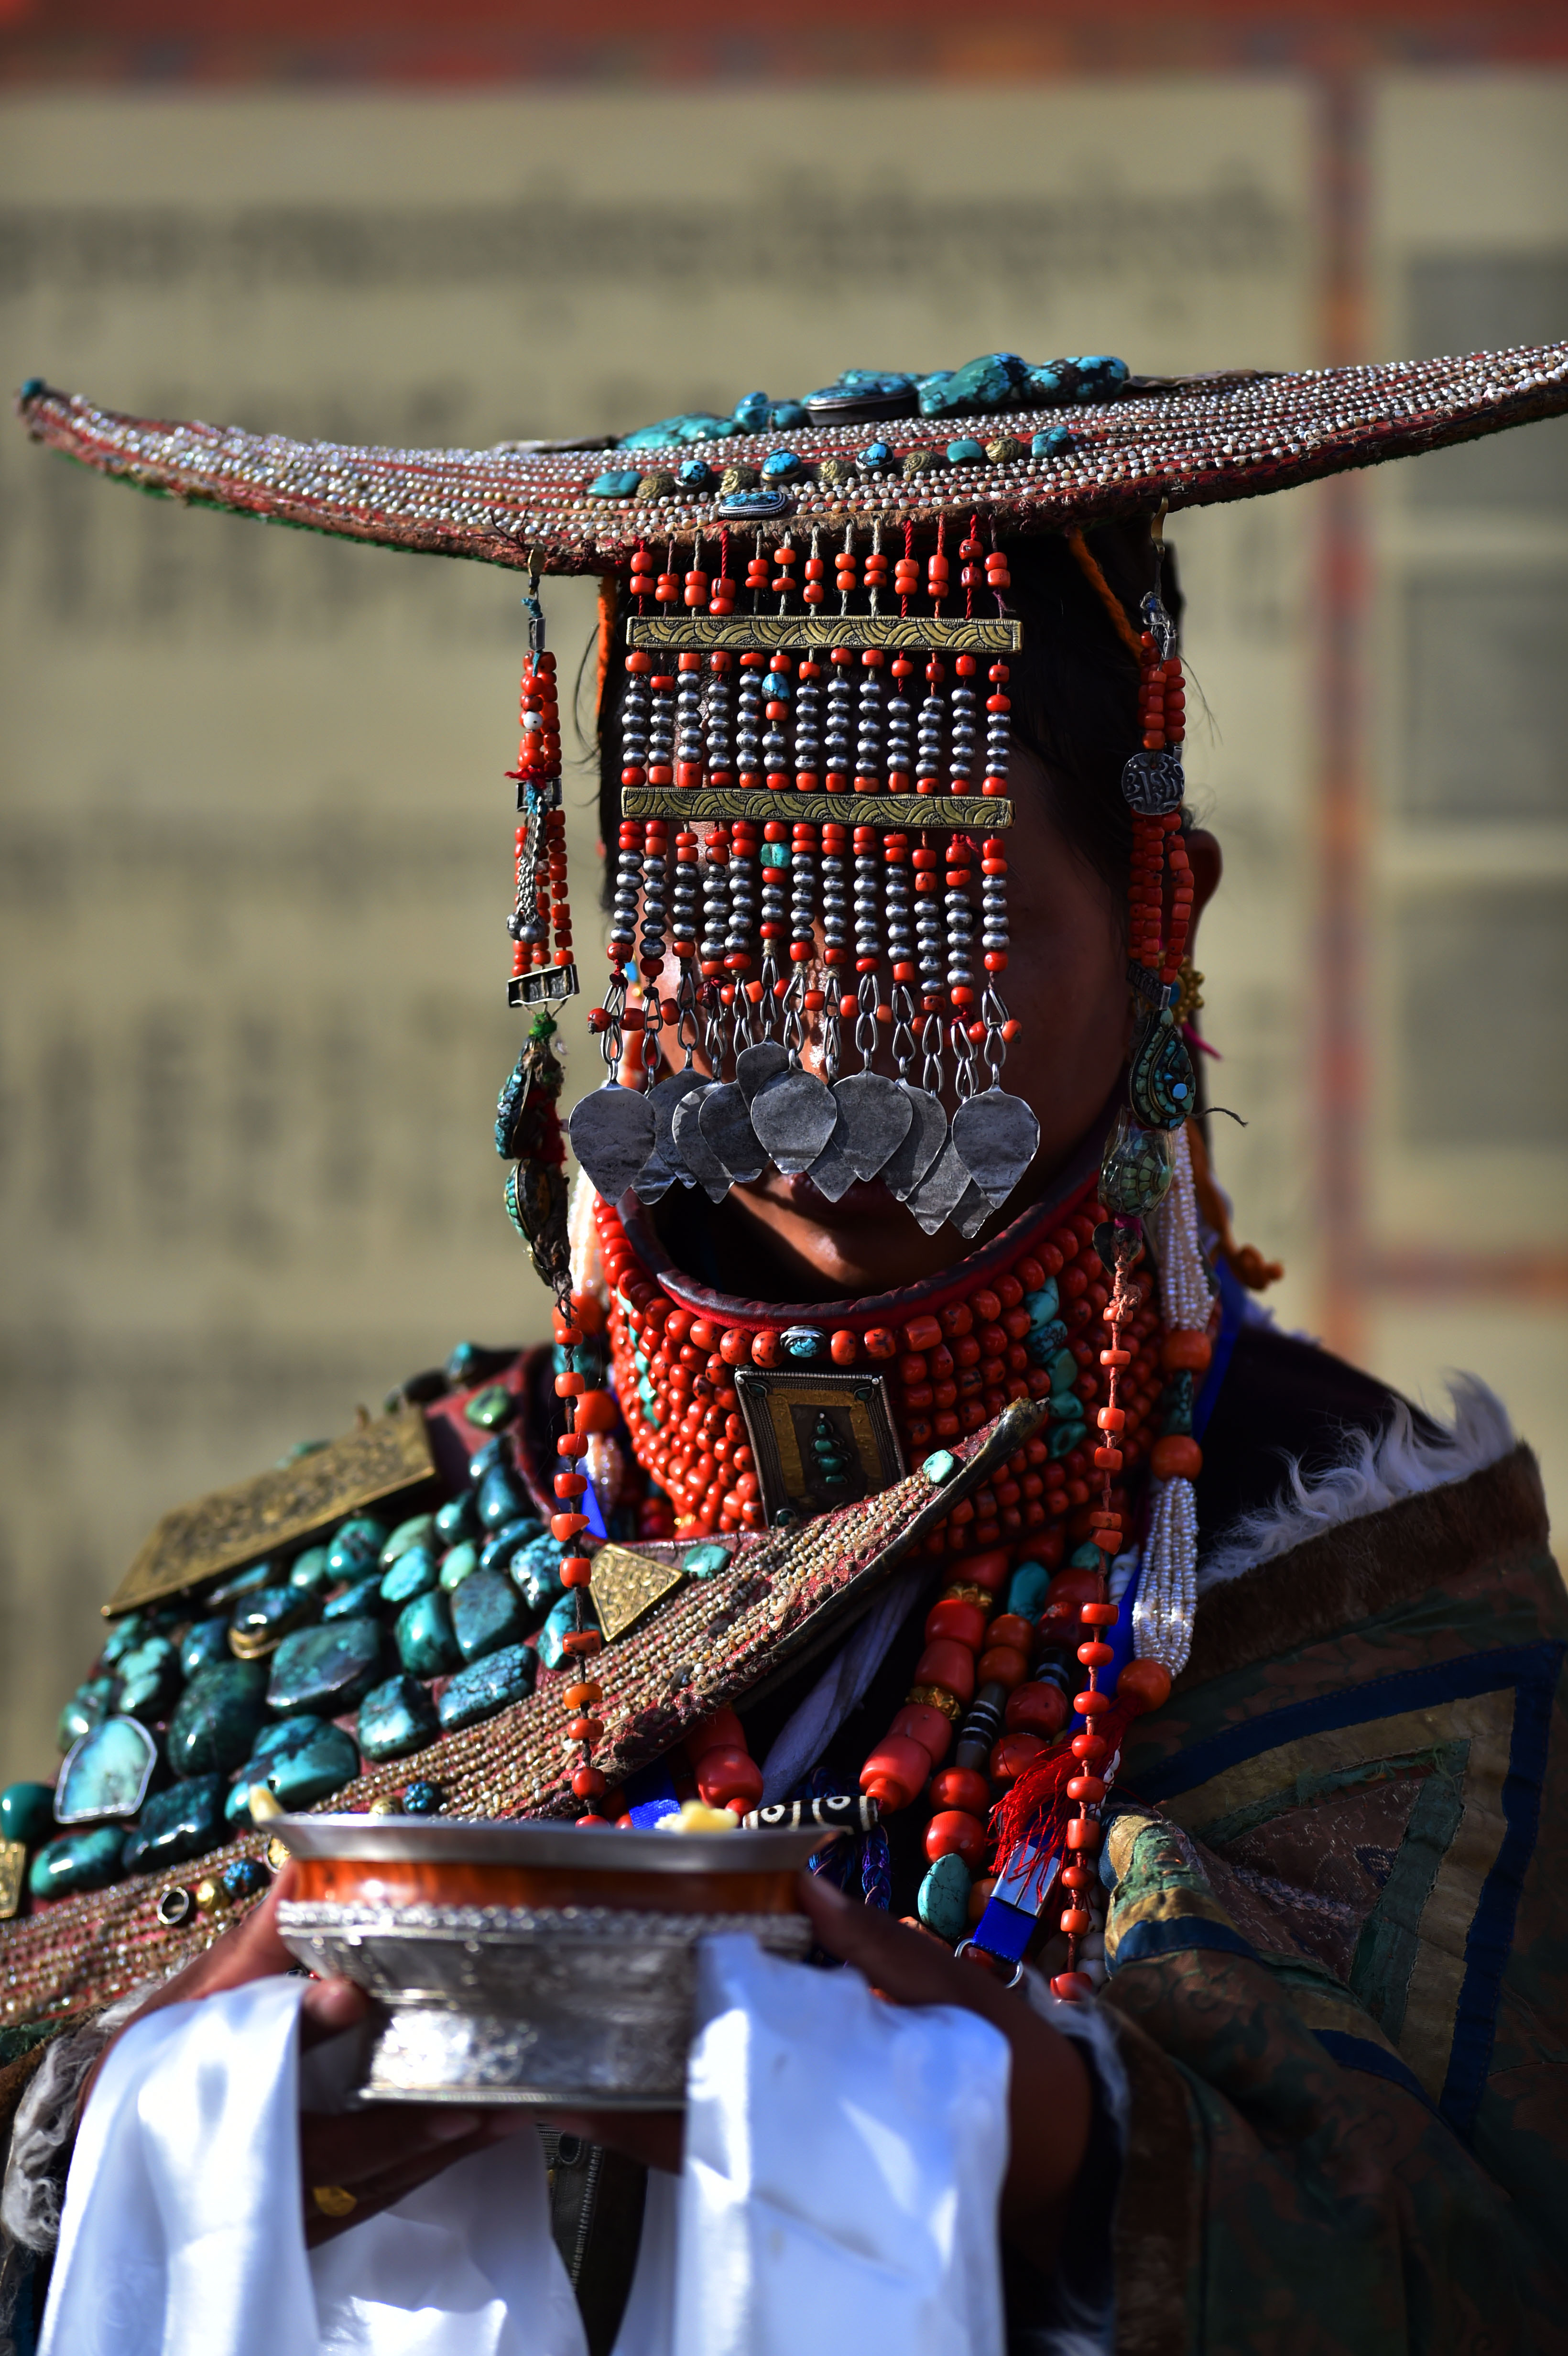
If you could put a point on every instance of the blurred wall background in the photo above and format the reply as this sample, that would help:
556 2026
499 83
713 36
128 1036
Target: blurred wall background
254 836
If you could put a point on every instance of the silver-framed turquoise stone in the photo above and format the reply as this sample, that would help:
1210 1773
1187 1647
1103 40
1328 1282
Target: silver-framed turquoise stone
1137 1168
107 1773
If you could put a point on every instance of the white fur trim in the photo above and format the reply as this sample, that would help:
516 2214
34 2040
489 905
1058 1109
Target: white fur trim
1376 1472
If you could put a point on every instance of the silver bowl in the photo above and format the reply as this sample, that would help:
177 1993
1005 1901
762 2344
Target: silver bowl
532 1963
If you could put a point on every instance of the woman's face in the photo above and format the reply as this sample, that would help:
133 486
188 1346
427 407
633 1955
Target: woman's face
1065 984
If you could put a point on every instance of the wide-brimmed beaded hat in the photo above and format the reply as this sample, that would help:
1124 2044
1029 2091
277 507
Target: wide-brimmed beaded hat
1033 447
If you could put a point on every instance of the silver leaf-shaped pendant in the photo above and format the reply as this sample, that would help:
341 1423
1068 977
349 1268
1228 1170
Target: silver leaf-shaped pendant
794 1117
653 1180
971 1212
696 1154
833 1173
755 1066
923 1141
667 1100
874 1118
612 1134
997 1137
941 1190
727 1126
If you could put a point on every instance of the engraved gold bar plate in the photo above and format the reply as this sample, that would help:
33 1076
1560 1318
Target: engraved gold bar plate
698 633
626 1585
13 1876
292 1501
982 813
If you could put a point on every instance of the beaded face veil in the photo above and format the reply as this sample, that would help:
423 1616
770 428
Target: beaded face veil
814 785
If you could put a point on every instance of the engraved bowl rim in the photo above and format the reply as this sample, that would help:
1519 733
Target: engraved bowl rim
546 1845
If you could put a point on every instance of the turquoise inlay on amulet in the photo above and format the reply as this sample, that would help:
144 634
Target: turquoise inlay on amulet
106 1773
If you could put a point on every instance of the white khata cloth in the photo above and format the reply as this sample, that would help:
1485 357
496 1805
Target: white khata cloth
843 2161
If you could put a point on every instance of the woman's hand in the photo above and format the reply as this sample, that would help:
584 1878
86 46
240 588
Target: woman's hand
1049 2099
377 2155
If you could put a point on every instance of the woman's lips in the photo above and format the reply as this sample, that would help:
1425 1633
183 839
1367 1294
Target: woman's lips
867 1199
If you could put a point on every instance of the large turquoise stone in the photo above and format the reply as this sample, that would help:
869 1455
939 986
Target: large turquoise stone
1042 1344
458 1519
1044 1305
942 1904
89 1706
409 1574
76 1861
218 1718
27 1813
992 382
486 1612
704 1561
323 1765
487 1686
178 1824
328 1669
107 1773
1026 1590
310 1571
416 1531
150 1677
274 1743
203 1644
397 1717
355 1546
485 1457
1063 1371
358 1601
426 1645
1065 1438
501 1498
458 1563
263 1619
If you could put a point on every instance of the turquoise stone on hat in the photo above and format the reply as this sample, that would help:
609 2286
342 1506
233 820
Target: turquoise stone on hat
261 1621
695 475
328 1669
780 466
1045 1305
939 1466
486 1612
1066 1437
617 483
27 1813
480 1690
457 1564
416 1531
535 1572
804 1341
703 1561
218 1718
243 1876
966 452
310 1571
1063 1371
943 1904
1084 1558
1055 442
274 1743
106 1773
178 1824
355 1546
205 1642
409 1574
395 1718
78 1861
322 1766
426 1645
510 1539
